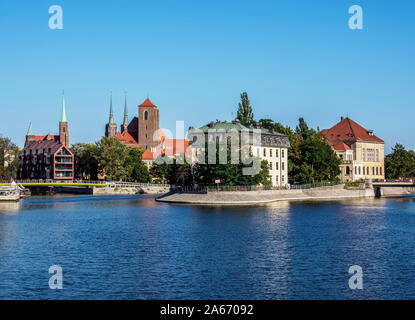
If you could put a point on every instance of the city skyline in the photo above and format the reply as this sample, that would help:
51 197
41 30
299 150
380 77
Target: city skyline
292 62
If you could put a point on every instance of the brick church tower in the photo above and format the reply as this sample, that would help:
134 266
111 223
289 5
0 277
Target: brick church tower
63 126
111 127
148 124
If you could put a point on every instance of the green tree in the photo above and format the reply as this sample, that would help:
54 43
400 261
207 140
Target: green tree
400 163
310 157
137 170
180 172
303 130
9 159
230 174
244 113
160 171
112 159
86 160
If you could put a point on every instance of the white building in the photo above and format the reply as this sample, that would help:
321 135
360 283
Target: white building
263 143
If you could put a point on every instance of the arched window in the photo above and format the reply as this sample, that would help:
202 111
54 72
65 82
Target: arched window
377 171
373 171
347 171
380 169
145 115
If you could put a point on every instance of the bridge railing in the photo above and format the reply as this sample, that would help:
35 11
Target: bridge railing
407 180
205 189
121 184
313 185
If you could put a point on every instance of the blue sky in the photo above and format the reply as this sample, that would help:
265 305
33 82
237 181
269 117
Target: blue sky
194 58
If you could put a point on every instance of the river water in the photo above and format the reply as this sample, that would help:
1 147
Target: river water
131 247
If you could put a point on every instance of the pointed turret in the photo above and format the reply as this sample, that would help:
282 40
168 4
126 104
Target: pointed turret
30 137
63 118
111 120
30 130
63 125
125 123
111 127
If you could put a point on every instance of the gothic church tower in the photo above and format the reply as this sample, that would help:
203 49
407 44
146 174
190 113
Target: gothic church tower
111 127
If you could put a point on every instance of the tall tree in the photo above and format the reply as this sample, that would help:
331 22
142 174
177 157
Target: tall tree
9 159
400 163
86 160
160 171
137 170
245 113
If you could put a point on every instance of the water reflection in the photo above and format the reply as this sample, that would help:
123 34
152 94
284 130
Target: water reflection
132 247
9 208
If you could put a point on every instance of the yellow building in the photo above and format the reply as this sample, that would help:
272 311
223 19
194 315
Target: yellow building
361 151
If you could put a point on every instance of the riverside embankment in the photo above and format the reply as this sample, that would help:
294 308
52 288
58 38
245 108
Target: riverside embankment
266 196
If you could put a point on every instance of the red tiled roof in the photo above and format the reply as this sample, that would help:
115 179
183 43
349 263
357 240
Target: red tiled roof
125 137
147 103
148 155
47 137
339 145
341 135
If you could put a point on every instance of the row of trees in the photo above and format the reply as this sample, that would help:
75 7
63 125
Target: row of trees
110 158
9 159
182 173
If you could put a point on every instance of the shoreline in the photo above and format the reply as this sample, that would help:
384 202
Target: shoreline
247 198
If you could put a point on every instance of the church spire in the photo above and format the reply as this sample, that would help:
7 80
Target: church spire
111 112
63 119
125 111
30 130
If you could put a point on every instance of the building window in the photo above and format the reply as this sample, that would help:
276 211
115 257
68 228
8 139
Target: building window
270 165
347 171
380 169
276 165
282 153
377 155
145 115
373 171
377 171
277 180
370 155
270 152
276 153
363 154
265 152
283 179
282 165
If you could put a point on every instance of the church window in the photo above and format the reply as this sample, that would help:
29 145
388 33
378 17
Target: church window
145 115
